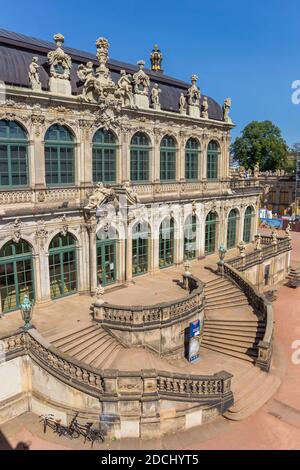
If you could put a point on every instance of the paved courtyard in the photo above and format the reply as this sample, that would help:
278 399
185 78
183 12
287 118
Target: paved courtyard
275 426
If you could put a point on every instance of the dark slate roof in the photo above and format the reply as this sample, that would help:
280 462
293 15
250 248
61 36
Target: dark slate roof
17 50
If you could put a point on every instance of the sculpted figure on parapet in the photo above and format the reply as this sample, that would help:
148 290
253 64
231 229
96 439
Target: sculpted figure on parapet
34 76
125 89
99 195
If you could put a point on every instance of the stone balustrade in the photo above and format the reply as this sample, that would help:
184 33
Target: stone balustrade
114 384
268 249
262 308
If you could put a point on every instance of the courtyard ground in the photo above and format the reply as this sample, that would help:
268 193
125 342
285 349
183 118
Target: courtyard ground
275 426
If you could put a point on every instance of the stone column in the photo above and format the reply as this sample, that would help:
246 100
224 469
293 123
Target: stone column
36 157
125 157
181 163
129 256
156 158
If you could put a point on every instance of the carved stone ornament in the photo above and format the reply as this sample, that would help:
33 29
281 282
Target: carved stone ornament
15 230
131 195
100 195
65 226
182 104
37 119
141 81
97 84
193 93
41 233
60 62
34 76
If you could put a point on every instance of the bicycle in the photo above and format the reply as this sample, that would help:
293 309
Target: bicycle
54 424
87 431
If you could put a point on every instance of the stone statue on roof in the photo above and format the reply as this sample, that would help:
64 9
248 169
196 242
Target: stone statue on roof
34 76
226 109
155 92
125 89
193 92
204 112
182 104
141 81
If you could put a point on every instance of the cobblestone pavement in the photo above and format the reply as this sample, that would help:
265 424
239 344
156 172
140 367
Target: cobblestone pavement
275 426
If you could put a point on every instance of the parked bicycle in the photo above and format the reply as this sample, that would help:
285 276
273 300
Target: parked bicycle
74 430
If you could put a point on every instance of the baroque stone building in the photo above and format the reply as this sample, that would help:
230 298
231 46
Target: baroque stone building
107 171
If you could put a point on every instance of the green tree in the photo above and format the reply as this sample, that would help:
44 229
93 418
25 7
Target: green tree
262 143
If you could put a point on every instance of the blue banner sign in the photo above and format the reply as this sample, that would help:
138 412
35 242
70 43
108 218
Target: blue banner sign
194 344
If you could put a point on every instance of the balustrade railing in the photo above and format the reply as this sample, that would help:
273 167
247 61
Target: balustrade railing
115 383
152 316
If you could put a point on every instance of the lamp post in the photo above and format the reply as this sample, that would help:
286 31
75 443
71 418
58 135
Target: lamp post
26 311
222 253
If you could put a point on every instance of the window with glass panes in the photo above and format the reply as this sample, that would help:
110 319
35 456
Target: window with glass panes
191 159
59 156
168 159
13 155
140 157
140 240
248 224
213 151
231 228
106 261
210 233
166 243
104 157
190 237
16 275
62 266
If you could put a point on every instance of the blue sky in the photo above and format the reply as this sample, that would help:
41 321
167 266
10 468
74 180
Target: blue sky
248 50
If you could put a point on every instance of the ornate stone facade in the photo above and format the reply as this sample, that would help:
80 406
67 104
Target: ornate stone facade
39 211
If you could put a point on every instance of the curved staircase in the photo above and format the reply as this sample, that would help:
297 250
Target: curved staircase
230 325
90 344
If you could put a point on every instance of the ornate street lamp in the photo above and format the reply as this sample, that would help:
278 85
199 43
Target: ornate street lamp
26 311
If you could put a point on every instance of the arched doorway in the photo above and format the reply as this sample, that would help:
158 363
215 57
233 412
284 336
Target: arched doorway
247 232
211 233
190 236
140 248
232 228
166 243
16 275
62 266
106 256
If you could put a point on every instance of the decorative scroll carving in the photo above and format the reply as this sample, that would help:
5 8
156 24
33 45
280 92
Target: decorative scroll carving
15 230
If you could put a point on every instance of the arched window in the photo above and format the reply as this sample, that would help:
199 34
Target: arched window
62 266
190 236
191 159
211 233
213 152
104 157
106 256
13 155
168 159
59 156
16 275
232 228
139 157
249 213
166 243
140 248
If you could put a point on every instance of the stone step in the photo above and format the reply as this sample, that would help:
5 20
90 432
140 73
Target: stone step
94 346
243 341
222 321
96 352
100 361
235 329
230 295
235 354
219 305
65 335
219 285
112 356
228 347
250 403
79 346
